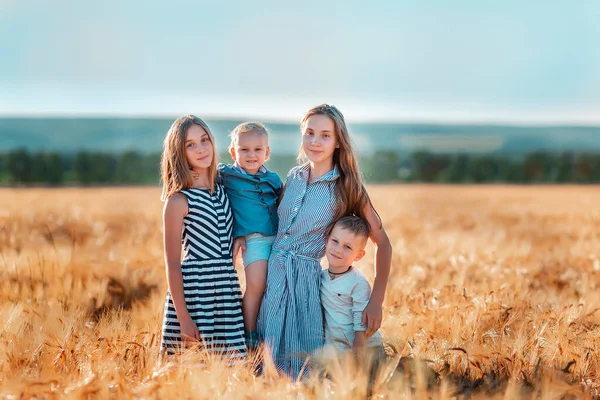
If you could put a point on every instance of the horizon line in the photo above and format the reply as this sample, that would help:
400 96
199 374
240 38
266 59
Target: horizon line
532 122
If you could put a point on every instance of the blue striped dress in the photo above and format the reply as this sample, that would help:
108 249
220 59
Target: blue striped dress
290 319
210 283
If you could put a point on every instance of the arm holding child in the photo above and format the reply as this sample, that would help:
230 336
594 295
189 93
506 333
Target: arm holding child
372 314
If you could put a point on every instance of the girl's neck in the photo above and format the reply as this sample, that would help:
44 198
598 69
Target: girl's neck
201 180
318 170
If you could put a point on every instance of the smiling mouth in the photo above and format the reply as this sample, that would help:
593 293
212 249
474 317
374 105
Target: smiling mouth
202 158
334 256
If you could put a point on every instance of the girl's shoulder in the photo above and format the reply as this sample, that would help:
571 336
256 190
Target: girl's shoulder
177 197
299 172
176 204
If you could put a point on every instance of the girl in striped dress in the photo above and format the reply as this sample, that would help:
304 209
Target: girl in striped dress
316 194
203 304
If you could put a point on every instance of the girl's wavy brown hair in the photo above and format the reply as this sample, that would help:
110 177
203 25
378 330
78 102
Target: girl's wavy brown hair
175 170
352 197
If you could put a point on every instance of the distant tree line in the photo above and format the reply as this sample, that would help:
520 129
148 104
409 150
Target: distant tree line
535 167
21 167
83 168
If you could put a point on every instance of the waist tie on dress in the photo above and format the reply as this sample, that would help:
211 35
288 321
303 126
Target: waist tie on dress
288 263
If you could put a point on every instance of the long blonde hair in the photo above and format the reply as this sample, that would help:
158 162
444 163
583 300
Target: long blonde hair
352 197
175 170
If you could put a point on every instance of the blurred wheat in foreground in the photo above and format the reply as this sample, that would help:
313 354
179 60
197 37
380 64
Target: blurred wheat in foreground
494 293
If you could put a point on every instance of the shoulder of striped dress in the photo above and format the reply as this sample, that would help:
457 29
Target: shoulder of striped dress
185 192
220 190
298 171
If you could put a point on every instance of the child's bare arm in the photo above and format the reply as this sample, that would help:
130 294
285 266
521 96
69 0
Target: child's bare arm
359 341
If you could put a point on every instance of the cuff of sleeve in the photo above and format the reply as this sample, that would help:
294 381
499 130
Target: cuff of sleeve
358 326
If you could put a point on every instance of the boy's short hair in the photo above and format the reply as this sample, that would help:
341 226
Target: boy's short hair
246 127
355 225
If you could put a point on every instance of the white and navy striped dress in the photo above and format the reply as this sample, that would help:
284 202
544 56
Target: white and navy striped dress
290 319
210 283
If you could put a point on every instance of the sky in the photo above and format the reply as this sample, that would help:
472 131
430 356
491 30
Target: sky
448 61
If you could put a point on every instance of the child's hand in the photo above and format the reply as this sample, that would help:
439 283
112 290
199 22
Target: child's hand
189 331
372 318
238 244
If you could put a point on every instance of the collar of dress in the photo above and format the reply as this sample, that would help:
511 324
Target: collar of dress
330 176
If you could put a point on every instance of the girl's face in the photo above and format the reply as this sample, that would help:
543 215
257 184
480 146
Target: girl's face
318 139
198 148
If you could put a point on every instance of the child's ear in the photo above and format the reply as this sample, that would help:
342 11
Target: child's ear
232 152
360 255
267 153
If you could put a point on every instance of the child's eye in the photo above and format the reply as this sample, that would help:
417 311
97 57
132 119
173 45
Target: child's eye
349 248
204 140
190 145
334 240
309 133
326 135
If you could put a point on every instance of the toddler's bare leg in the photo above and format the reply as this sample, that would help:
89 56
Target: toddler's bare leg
256 279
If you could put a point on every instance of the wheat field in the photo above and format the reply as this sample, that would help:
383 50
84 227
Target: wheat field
494 293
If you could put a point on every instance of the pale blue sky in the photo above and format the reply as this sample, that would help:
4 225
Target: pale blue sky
509 61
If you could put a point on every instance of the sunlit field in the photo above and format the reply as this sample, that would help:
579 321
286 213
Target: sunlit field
494 292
